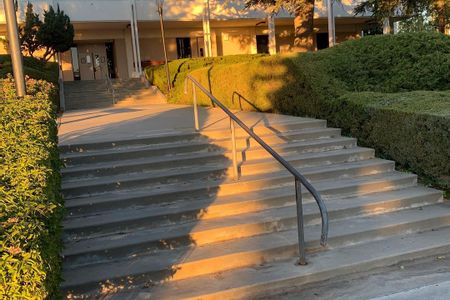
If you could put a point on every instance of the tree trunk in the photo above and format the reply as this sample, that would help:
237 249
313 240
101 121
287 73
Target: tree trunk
441 10
304 27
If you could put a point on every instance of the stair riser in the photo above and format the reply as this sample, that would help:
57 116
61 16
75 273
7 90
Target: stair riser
242 156
223 263
360 171
127 225
156 140
266 130
89 187
252 169
204 193
312 217
241 142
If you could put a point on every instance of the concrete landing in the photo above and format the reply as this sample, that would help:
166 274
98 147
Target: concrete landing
118 123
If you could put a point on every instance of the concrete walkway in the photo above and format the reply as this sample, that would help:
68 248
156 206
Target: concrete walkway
118 123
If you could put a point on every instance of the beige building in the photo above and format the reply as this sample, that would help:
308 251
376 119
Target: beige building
112 35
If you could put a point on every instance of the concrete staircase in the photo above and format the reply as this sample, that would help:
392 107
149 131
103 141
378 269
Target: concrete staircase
161 217
95 94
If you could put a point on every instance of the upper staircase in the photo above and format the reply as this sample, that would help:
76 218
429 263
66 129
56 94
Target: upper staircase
161 217
97 94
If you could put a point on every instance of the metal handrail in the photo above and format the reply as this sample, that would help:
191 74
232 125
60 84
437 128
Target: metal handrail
299 178
109 84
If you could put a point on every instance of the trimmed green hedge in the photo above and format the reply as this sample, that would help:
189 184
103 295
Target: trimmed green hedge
33 67
342 85
30 201
179 69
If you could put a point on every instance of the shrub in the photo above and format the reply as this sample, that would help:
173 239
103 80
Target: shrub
34 68
181 67
30 202
339 85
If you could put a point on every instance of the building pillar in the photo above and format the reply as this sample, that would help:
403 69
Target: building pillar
129 52
137 43
207 29
272 34
387 26
331 24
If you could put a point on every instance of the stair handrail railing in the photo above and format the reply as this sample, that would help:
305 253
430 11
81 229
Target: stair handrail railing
109 84
299 178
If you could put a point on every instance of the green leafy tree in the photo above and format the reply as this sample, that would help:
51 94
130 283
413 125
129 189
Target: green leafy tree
56 33
29 31
409 10
303 10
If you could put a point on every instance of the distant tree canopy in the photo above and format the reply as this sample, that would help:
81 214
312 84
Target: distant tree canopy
303 11
54 34
410 10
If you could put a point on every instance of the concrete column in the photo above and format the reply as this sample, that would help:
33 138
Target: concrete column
207 29
14 46
272 34
331 24
137 44
133 41
387 26
129 52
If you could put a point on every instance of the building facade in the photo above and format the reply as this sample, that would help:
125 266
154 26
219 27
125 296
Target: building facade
121 37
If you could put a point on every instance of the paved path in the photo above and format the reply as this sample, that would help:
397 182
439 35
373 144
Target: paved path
117 123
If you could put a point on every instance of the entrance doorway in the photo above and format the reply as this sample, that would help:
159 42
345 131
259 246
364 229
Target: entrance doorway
93 61
322 40
262 43
184 48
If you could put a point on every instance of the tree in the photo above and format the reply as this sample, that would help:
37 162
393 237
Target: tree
439 10
56 33
29 31
303 11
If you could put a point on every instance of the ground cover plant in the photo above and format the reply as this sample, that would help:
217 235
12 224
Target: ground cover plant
30 202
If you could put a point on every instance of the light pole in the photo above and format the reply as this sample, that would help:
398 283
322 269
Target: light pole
14 46
331 26
160 4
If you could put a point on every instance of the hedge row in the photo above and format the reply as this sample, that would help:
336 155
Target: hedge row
180 68
30 202
33 68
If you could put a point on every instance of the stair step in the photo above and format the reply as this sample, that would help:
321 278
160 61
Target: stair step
116 159
124 221
352 169
338 208
127 181
270 279
259 249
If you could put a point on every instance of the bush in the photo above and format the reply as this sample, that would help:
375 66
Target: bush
30 202
32 67
339 85
181 67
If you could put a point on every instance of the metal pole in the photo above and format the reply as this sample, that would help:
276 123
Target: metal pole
136 36
194 97
331 33
14 45
301 233
163 36
233 145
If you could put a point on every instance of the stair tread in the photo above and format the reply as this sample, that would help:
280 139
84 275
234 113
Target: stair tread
122 195
261 280
124 177
346 227
217 149
181 134
287 211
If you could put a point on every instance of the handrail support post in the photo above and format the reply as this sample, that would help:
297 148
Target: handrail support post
300 229
233 145
194 98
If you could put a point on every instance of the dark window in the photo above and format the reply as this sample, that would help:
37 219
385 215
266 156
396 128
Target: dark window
262 43
322 40
110 59
184 47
